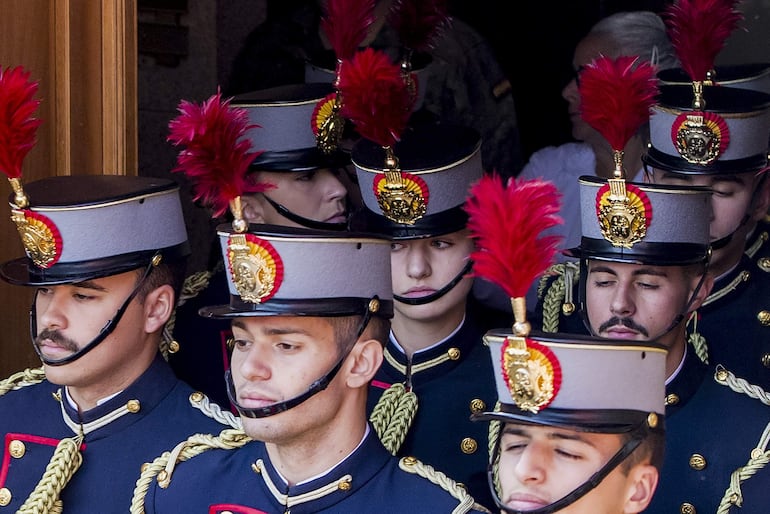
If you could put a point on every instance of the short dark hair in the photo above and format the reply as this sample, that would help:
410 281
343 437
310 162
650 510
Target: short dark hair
346 329
651 447
171 273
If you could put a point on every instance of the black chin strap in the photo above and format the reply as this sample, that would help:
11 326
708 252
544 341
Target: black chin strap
724 241
677 319
315 388
438 294
577 493
305 222
103 333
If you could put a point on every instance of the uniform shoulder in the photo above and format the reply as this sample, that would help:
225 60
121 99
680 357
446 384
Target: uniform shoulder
464 501
161 471
28 377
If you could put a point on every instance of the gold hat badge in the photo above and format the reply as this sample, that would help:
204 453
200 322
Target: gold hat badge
616 97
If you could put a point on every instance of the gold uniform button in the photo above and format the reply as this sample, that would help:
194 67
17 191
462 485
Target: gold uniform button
764 317
687 508
697 462
196 397
469 445
477 405
133 406
5 496
344 485
454 353
409 461
766 360
672 399
568 308
745 276
722 375
173 347
764 263
17 449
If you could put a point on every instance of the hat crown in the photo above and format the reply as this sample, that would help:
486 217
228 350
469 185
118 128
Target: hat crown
274 270
667 225
577 381
436 165
81 227
286 120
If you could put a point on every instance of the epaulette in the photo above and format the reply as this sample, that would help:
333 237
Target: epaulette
556 293
28 377
466 501
162 468
201 402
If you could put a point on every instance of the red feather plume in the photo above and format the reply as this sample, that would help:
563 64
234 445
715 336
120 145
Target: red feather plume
419 23
18 127
217 154
375 96
346 24
616 96
507 224
698 30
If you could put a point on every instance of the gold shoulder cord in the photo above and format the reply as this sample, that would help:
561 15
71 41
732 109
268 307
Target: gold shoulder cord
760 455
494 434
393 415
201 402
28 377
66 460
192 287
558 297
414 466
163 467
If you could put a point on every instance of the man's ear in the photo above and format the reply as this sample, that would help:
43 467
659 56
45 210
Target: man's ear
158 306
253 210
363 362
642 480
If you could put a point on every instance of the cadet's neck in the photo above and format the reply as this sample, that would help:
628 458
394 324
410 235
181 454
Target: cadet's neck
417 333
323 448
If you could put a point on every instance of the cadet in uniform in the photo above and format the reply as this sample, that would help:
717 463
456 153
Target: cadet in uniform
593 442
309 311
579 422
105 401
464 83
644 257
300 186
717 136
434 360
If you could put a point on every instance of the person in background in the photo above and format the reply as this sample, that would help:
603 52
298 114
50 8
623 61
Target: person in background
632 33
292 183
463 82
717 136
578 426
435 342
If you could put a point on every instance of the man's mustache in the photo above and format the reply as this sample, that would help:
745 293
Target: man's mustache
57 338
626 322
